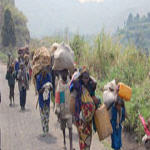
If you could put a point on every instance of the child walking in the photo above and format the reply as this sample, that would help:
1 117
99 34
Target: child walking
10 76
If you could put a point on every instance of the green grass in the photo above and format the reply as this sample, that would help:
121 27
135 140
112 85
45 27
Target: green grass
108 60
3 57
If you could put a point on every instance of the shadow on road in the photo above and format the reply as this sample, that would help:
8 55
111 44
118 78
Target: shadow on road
49 139
24 111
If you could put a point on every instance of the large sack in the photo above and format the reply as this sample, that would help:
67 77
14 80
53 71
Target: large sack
41 56
23 50
102 122
110 93
109 97
111 86
53 48
63 58
41 59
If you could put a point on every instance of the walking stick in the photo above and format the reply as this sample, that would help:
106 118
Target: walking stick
37 103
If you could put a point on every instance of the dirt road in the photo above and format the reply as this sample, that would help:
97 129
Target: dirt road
22 130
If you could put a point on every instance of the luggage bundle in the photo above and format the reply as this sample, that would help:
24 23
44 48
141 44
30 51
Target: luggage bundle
23 51
102 115
63 58
112 90
41 59
110 93
102 122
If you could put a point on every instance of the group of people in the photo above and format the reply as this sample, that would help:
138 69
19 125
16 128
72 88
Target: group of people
71 106
18 71
75 101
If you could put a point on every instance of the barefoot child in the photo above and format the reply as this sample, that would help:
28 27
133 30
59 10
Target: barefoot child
146 138
62 99
10 76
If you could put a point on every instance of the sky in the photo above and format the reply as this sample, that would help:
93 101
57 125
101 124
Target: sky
47 17
95 1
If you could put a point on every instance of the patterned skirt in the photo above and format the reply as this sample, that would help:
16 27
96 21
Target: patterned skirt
44 113
85 134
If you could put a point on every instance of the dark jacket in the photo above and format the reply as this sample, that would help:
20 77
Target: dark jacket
10 76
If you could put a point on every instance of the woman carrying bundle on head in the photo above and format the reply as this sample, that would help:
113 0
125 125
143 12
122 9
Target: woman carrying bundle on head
83 106
44 86
62 101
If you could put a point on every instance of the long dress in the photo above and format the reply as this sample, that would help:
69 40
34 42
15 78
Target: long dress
116 122
84 128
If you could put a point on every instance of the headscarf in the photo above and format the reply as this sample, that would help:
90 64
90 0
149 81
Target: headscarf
76 84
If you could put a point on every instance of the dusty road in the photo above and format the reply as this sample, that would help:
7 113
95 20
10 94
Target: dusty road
22 130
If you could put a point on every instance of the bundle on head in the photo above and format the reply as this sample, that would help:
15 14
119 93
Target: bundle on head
23 50
64 58
41 59
53 48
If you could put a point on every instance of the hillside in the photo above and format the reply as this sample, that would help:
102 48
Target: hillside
20 22
137 31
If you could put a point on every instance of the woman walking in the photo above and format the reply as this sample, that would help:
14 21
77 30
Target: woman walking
43 86
83 95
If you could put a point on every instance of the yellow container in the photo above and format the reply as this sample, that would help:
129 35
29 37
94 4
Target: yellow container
125 92
102 121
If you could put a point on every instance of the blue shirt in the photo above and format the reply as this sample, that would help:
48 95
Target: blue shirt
39 84
17 66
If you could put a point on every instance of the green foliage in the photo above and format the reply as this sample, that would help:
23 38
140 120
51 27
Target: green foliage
108 60
22 35
77 44
21 30
136 31
8 30
3 57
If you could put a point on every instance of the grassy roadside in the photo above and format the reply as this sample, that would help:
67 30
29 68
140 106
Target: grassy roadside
3 57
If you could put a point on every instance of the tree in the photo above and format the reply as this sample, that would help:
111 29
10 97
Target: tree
130 19
8 30
148 16
137 17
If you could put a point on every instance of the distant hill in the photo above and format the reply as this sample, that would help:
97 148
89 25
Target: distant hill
137 31
47 17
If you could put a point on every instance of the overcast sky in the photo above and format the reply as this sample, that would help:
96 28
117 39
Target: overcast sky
46 17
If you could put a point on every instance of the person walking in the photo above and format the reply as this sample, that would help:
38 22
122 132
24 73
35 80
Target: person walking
118 115
23 85
10 76
44 86
62 101
83 105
